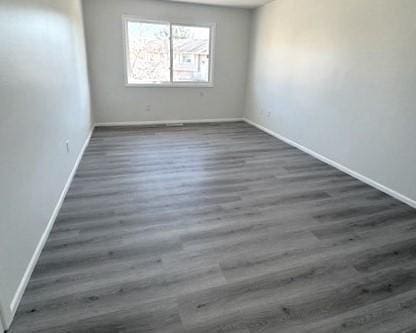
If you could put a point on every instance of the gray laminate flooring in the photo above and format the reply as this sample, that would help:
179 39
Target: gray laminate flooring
220 228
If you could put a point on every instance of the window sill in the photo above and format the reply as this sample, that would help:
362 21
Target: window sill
171 85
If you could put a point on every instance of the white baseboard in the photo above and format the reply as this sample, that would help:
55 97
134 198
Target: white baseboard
32 263
164 122
341 167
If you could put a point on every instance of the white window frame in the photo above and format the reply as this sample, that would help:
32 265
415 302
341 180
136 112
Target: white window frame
171 83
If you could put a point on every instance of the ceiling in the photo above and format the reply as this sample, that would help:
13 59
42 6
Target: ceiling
230 3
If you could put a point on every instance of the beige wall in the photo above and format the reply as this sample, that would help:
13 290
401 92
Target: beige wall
44 98
339 78
113 102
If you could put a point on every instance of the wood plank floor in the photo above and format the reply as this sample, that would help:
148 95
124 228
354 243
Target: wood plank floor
220 228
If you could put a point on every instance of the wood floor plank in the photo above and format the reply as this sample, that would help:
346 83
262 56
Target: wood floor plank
220 228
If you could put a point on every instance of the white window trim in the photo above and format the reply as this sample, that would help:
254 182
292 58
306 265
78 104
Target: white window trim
171 84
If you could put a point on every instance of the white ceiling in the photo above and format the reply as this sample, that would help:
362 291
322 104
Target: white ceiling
230 3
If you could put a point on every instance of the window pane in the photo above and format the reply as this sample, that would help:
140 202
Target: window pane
191 47
148 52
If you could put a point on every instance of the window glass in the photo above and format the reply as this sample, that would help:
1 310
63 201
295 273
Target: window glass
148 58
191 48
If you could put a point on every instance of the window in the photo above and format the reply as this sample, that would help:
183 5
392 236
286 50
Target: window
168 54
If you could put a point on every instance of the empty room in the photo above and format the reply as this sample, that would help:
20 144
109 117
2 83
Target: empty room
201 166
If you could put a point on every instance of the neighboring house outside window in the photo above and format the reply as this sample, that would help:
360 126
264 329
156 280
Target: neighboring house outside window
192 60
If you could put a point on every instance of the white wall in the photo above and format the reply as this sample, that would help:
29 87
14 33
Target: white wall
113 102
339 78
44 98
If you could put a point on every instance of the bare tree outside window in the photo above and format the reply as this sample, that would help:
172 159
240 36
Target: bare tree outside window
148 52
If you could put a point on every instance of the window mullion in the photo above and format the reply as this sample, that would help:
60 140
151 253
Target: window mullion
171 54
